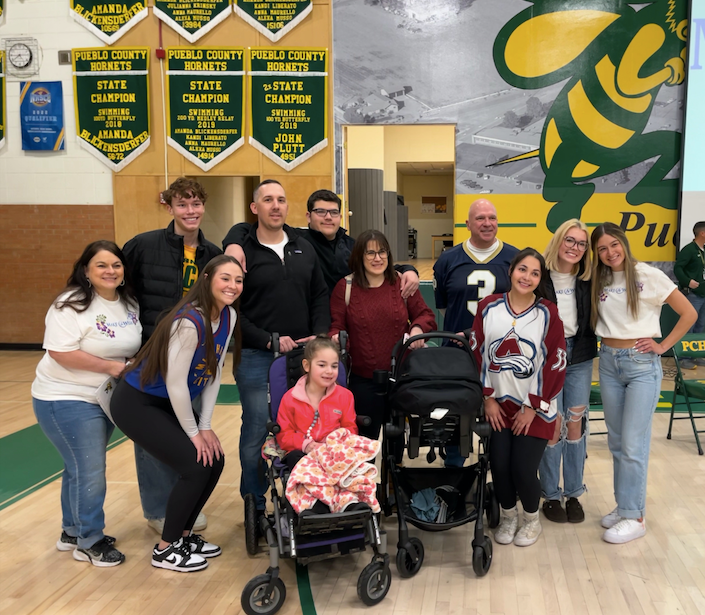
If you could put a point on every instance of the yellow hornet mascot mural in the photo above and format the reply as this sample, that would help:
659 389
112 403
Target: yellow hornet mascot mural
616 58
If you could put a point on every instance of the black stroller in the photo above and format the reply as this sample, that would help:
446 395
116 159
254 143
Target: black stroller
437 391
306 538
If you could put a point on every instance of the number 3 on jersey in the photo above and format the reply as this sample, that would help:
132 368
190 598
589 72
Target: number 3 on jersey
485 282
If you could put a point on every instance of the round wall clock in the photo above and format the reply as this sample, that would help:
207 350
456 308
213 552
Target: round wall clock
19 55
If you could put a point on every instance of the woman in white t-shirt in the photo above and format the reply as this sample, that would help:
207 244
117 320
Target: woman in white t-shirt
92 328
627 297
568 262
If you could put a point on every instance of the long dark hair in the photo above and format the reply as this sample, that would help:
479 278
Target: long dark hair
155 353
541 291
82 293
602 274
357 258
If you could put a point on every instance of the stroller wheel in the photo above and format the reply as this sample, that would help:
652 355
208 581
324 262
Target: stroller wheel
405 562
373 583
491 506
254 600
482 558
251 521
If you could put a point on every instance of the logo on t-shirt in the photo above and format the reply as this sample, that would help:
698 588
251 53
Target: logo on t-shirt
102 326
512 353
190 271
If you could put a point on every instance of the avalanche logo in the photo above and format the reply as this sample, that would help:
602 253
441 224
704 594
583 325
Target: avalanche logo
512 353
40 97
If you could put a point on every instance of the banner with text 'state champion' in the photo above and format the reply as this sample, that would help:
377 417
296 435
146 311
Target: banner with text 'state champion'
192 19
275 18
3 123
288 103
206 113
108 19
111 94
42 115
2 14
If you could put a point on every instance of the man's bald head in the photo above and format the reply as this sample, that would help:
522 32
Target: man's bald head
482 223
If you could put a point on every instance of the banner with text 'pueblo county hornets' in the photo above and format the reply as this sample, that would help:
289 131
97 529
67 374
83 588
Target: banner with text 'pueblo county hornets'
288 103
192 19
3 123
206 103
2 13
111 95
108 19
274 19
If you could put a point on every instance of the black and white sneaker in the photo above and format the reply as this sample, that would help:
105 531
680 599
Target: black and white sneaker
102 554
69 543
178 556
201 547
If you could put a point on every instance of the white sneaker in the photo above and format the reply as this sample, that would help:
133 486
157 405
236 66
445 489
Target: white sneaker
158 524
529 533
625 530
507 529
179 557
610 519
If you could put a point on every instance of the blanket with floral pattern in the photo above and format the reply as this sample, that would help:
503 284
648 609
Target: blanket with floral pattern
337 473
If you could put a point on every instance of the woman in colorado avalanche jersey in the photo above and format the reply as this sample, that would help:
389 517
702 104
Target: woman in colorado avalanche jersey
152 405
519 343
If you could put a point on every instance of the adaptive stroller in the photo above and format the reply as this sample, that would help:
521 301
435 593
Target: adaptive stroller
437 391
307 538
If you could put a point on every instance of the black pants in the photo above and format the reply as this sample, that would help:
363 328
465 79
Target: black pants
514 461
368 403
150 422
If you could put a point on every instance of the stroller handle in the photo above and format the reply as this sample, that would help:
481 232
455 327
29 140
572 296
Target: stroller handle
276 350
401 347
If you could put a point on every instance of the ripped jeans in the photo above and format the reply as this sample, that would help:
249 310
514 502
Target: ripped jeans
573 403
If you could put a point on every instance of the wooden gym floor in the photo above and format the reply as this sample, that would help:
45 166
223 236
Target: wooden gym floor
569 571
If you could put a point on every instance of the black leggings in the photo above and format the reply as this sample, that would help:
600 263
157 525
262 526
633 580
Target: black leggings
514 461
368 403
150 422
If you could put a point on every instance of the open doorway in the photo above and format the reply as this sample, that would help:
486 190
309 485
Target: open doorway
228 203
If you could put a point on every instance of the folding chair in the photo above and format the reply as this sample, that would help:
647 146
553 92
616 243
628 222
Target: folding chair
692 391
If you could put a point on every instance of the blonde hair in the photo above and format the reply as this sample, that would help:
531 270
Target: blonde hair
551 252
602 274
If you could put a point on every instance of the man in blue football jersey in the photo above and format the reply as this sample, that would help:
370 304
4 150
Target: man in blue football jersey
469 272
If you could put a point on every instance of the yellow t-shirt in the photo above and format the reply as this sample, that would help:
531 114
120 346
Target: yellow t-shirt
190 268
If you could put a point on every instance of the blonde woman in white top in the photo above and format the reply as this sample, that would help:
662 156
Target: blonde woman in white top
627 297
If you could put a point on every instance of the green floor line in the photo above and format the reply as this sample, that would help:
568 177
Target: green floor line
308 607
228 395
28 462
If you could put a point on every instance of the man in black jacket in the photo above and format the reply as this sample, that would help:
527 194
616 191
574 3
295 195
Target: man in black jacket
164 265
284 293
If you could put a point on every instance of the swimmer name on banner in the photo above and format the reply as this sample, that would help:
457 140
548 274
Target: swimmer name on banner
111 95
274 19
288 103
190 19
206 98
108 19
3 121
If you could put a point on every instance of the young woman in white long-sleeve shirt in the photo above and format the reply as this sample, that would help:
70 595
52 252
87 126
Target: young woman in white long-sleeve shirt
152 405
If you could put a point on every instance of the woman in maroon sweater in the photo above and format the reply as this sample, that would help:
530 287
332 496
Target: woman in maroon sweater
375 317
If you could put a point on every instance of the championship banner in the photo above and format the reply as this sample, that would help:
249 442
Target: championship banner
2 16
42 115
273 19
3 123
288 103
108 19
192 19
112 102
206 103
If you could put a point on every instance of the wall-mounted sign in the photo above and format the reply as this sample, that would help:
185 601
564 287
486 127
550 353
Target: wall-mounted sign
273 19
42 115
108 19
206 106
111 95
288 96
2 12
192 19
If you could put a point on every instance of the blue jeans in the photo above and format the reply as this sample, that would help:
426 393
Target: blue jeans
630 384
575 394
80 432
699 304
251 377
156 480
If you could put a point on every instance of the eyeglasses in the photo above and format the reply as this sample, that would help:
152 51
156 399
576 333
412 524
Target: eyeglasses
370 254
333 213
571 242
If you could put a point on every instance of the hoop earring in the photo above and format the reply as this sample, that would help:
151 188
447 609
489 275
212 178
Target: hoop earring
89 282
123 282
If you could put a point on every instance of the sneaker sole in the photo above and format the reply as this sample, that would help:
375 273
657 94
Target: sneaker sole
527 543
64 546
175 568
211 554
620 540
81 556
499 542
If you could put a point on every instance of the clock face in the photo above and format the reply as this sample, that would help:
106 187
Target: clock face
20 55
